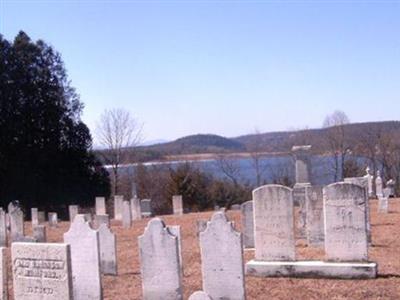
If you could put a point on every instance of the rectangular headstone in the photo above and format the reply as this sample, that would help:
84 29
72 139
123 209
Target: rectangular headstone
41 271
345 222
248 224
16 224
273 221
383 205
3 228
53 219
85 259
3 274
302 163
136 209
34 216
145 207
108 250
299 199
177 204
73 211
222 260
126 214
315 216
159 263
39 233
100 206
118 201
41 217
379 185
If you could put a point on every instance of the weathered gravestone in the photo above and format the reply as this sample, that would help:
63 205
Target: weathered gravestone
41 217
85 259
41 271
101 219
73 211
136 209
3 228
235 207
175 230
108 250
378 185
39 233
16 223
315 216
145 207
248 224
177 204
118 201
390 188
200 295
383 205
53 219
159 263
100 206
34 217
370 182
299 199
126 214
3 274
222 259
201 226
301 155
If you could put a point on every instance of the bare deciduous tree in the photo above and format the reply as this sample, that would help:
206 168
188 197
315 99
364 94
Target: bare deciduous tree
119 132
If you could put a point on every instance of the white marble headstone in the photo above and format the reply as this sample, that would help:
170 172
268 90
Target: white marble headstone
248 224
108 250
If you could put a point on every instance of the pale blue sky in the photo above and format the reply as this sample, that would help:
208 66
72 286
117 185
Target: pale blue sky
223 67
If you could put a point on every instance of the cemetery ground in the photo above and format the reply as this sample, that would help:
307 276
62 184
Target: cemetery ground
385 250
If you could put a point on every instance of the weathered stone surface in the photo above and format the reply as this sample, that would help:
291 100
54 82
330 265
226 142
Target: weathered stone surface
3 274
175 230
177 204
222 259
126 214
159 263
311 269
34 217
383 205
101 206
370 180
136 209
248 224
39 233
3 228
53 219
299 199
85 259
108 250
201 226
302 161
118 201
345 222
273 221
16 223
41 217
200 295
88 217
41 271
73 211
101 219
390 188
315 216
378 185
145 207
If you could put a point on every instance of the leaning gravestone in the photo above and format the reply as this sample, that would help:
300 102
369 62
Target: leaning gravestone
3 274
126 214
100 206
177 204
39 233
145 207
222 259
16 223
135 208
383 205
315 216
41 271
73 211
200 295
118 200
108 250
34 216
248 224
3 228
159 263
85 259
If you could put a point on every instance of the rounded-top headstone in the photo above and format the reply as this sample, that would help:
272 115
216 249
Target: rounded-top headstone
200 295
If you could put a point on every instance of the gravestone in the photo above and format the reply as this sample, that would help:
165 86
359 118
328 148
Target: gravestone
118 201
248 224
53 219
41 217
177 204
159 263
301 155
16 223
345 222
273 221
299 199
101 219
383 205
135 208
100 206
315 216
73 211
34 217
201 226
390 186
370 184
88 217
175 230
235 207
126 215
145 207
378 185
85 259
41 271
222 259
108 250
3 274
39 233
3 228
200 295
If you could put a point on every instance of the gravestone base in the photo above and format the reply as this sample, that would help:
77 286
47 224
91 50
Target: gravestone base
312 269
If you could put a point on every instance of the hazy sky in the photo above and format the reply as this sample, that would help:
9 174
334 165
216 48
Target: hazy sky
223 67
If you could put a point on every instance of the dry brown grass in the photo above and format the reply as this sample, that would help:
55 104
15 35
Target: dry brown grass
385 251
